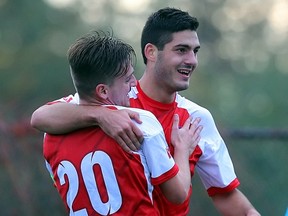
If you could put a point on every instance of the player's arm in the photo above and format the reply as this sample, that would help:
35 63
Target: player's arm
234 203
184 140
59 118
227 203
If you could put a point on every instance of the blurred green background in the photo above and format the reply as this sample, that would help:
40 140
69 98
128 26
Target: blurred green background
242 79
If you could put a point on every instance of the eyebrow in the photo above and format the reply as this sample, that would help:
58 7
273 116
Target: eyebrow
187 46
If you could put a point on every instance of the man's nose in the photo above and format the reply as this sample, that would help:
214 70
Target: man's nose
133 81
191 59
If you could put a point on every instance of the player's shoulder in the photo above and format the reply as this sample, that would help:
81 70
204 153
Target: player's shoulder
150 125
192 107
73 99
144 114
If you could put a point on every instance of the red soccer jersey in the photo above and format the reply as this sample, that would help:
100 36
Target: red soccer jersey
210 158
94 176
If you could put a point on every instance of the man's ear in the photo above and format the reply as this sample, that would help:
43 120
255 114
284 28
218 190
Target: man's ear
102 91
150 52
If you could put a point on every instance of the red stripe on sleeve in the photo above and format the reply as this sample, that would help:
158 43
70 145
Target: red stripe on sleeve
214 190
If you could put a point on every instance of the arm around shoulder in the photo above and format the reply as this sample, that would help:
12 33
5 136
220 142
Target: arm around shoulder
59 118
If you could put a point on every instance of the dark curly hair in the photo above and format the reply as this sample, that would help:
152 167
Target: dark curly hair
162 24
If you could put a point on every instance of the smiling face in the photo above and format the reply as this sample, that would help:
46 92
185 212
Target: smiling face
176 62
117 92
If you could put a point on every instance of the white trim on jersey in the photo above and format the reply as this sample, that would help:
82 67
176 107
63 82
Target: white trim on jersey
154 154
214 167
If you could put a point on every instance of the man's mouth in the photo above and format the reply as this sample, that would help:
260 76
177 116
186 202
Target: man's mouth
184 71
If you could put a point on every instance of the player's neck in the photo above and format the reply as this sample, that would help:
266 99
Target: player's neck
155 91
93 102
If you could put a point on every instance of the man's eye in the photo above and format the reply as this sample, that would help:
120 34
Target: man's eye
181 50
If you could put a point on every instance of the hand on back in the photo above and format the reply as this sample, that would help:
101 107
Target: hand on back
118 125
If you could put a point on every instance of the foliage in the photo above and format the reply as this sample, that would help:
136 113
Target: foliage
241 79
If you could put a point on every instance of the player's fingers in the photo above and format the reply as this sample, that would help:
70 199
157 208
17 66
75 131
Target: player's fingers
134 115
199 129
196 136
194 124
129 143
123 145
187 123
197 140
175 122
137 135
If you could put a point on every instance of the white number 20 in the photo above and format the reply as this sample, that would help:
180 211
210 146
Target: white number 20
114 196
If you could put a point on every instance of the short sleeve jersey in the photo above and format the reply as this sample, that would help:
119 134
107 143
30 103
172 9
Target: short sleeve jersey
94 176
210 158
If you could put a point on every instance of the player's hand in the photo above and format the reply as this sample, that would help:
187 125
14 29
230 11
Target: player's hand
118 125
187 137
